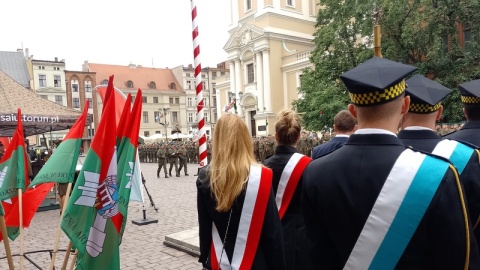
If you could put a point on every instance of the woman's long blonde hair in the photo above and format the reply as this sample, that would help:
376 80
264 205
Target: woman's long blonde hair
231 158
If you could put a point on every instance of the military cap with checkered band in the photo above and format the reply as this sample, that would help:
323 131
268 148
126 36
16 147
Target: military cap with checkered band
376 81
425 95
470 92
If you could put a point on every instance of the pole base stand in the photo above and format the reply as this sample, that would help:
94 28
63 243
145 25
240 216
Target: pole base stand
145 221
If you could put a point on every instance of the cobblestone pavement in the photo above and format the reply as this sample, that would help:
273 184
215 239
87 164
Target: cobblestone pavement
142 246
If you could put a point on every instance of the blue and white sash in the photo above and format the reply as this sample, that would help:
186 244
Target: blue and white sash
458 153
399 208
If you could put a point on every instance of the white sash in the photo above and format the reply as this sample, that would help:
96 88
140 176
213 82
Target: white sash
253 185
458 153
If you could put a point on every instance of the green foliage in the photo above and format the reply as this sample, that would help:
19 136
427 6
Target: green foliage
414 32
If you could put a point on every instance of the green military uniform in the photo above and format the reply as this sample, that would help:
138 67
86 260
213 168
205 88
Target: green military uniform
173 160
162 160
182 158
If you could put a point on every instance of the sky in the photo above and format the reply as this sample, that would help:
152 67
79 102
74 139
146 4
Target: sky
151 33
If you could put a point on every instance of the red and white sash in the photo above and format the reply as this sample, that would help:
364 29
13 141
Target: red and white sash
251 221
288 181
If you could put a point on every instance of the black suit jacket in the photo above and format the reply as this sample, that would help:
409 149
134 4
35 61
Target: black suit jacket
328 147
341 188
296 242
270 252
469 133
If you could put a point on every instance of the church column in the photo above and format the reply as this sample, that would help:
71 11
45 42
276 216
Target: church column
266 79
259 71
238 85
232 80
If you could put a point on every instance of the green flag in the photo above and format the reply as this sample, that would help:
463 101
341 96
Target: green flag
61 166
126 156
92 220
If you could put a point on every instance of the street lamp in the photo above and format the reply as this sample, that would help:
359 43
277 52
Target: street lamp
231 97
165 123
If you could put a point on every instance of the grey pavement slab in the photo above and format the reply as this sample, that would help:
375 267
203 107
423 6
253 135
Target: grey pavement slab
142 246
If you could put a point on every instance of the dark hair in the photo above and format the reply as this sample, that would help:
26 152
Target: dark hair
344 121
287 127
472 111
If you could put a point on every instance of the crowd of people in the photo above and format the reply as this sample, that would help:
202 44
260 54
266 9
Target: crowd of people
386 192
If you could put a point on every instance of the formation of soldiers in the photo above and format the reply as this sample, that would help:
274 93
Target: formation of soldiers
148 152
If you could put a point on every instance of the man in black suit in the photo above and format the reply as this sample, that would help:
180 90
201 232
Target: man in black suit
418 132
376 204
343 125
470 95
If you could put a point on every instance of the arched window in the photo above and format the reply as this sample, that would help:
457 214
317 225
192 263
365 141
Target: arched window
152 85
129 84
104 82
172 86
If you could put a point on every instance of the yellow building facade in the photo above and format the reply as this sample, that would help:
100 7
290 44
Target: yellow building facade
269 46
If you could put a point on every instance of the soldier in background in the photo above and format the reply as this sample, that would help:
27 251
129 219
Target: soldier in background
182 158
162 160
173 159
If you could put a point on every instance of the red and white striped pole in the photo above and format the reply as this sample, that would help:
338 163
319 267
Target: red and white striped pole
202 141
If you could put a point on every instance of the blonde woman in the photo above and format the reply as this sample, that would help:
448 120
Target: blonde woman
239 223
287 165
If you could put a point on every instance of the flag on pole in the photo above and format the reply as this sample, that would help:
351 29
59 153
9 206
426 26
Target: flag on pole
90 217
13 168
126 158
137 189
13 232
61 166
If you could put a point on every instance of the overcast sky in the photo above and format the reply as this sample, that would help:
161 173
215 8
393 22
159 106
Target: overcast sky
120 32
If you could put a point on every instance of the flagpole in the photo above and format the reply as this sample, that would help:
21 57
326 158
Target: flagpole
67 255
59 230
74 259
8 252
20 225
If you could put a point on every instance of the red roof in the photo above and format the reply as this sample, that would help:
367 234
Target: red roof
140 76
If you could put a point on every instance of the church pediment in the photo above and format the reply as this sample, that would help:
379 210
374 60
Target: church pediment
243 36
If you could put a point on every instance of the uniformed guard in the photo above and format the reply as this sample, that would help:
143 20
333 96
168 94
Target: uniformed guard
162 160
182 159
418 132
173 159
470 96
375 203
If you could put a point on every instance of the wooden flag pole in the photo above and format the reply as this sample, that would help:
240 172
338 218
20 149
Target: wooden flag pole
8 252
59 230
67 255
20 226
377 34
74 259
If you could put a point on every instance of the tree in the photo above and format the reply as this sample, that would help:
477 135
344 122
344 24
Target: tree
424 33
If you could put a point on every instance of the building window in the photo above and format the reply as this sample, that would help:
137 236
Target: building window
155 99
190 117
76 103
88 87
188 75
91 132
290 3
177 100
205 117
172 86
222 73
146 133
152 85
133 99
250 73
144 99
174 117
467 37
215 117
214 75
189 102
42 80
156 115
214 86
41 67
129 84
74 87
158 132
189 84
105 82
204 86
205 102
57 81
90 102
145 117
170 100
248 4
214 102
204 76
58 99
